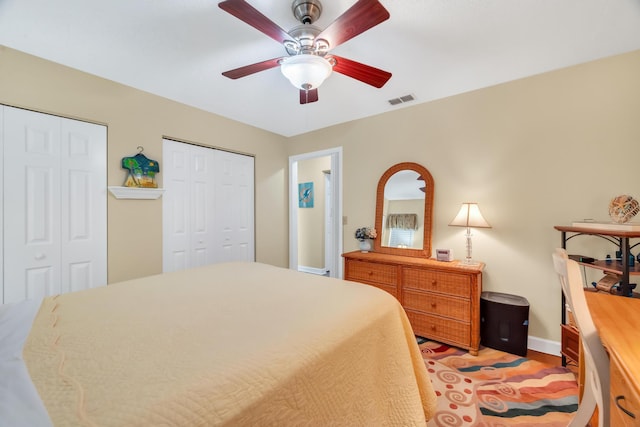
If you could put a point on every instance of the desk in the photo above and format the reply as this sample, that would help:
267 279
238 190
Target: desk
618 322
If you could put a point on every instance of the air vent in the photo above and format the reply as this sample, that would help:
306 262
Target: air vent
402 99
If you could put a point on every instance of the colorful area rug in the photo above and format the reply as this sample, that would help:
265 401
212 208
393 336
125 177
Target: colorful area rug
496 389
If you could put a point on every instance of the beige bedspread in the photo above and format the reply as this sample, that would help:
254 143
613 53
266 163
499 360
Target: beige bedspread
241 344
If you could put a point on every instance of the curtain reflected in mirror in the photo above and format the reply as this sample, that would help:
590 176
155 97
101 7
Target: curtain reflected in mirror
403 217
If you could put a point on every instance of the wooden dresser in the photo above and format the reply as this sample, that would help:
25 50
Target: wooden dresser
441 299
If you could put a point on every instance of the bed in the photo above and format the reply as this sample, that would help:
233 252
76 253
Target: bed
237 344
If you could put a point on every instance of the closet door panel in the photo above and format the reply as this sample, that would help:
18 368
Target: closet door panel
234 207
39 282
224 222
245 201
54 193
84 205
201 212
214 192
31 205
175 207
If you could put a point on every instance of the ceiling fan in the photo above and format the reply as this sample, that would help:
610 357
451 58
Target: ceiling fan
309 62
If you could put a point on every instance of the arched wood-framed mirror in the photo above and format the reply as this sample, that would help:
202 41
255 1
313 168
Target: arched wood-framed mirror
404 211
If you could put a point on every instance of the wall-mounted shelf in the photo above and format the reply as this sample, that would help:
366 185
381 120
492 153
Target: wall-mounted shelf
136 193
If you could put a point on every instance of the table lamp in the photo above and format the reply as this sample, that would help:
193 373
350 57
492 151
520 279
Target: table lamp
469 216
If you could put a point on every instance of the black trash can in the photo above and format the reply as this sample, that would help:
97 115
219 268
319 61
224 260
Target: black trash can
504 322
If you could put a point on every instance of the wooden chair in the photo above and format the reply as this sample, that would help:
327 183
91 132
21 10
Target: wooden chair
596 361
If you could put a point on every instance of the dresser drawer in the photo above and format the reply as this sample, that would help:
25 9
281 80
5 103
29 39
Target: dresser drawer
437 281
570 343
622 396
372 273
440 329
432 303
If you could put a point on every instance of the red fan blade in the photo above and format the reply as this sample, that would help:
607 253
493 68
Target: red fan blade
253 68
247 13
356 20
365 73
307 96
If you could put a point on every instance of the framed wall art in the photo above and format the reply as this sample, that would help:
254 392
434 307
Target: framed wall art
305 195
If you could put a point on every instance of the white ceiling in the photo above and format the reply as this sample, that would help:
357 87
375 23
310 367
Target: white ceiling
404 185
434 48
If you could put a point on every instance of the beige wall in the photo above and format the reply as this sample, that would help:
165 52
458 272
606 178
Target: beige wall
311 220
533 153
137 118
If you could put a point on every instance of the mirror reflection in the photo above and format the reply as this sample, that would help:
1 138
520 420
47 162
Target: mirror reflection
403 211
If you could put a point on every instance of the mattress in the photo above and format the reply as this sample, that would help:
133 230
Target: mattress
240 344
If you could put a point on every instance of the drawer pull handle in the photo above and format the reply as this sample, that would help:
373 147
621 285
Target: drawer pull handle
434 282
626 411
433 327
370 273
433 305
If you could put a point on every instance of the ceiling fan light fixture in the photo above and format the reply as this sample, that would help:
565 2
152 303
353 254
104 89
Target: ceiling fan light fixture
306 71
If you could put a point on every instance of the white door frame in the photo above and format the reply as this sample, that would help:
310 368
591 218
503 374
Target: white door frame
336 193
328 224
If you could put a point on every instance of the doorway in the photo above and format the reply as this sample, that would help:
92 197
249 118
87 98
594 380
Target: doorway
315 228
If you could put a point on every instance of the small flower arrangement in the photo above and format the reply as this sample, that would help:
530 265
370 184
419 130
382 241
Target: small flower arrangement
366 233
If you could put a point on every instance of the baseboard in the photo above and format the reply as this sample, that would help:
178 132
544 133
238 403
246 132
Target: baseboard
312 270
544 346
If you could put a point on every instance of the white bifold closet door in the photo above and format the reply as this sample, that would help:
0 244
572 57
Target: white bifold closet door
54 193
208 206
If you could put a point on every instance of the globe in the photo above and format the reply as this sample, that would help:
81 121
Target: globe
622 208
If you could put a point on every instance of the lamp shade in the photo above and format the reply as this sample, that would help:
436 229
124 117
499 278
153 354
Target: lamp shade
306 71
470 216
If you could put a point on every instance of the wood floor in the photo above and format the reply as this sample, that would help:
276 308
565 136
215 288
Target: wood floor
544 358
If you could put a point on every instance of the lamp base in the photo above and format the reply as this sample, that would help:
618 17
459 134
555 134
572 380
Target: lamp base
468 260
